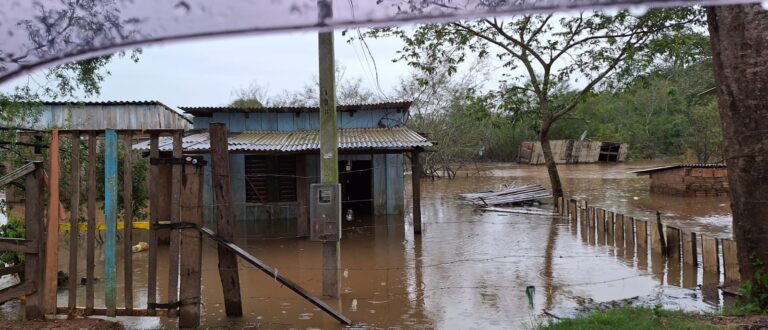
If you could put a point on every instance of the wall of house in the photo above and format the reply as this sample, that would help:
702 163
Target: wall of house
566 152
388 179
690 182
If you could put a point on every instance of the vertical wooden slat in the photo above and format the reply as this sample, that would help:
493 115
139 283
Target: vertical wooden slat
90 240
302 195
641 234
709 256
416 191
730 262
74 218
52 234
173 249
592 224
34 226
673 255
191 259
110 210
228 272
128 219
618 230
658 243
690 249
583 224
629 231
609 227
154 174
600 218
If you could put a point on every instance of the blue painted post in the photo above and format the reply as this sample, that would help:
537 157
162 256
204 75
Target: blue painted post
110 207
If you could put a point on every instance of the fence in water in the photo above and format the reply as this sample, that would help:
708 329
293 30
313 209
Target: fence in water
682 251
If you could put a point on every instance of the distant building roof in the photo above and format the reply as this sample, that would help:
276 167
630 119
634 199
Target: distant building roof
75 115
673 166
208 111
390 138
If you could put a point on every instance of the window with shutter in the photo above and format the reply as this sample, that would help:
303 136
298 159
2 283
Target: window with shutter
270 179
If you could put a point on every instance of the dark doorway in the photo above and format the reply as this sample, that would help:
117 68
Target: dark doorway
356 178
609 152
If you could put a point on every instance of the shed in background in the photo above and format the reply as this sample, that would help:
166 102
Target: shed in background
573 152
689 180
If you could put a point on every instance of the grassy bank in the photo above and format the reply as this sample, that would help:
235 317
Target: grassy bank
636 318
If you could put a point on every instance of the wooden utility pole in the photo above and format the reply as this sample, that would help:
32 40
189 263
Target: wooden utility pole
329 152
230 277
191 258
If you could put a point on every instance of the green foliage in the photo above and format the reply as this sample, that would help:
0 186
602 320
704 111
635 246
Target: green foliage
754 299
633 318
13 229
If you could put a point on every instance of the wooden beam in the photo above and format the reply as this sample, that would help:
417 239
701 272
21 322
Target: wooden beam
274 274
74 217
18 245
191 258
110 210
230 277
34 270
154 207
16 291
52 233
416 191
173 249
90 240
118 312
15 269
128 218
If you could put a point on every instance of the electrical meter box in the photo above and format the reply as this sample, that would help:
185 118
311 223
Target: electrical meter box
325 212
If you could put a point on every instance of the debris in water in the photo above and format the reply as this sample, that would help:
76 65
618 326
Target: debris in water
142 246
510 195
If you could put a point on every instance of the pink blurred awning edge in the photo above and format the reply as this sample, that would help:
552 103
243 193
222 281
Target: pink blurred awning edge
40 33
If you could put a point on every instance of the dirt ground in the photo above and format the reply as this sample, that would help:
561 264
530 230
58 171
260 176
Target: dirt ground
753 322
62 324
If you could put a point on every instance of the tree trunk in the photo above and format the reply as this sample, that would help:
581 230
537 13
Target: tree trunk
739 36
549 159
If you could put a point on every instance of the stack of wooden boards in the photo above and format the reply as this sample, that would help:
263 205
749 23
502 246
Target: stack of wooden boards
514 195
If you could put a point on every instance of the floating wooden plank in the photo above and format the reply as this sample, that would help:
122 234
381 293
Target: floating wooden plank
128 218
34 231
17 174
518 210
730 262
709 254
274 274
74 209
90 240
52 233
110 210
191 258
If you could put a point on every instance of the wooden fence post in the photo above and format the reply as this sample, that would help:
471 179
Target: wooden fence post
74 218
709 254
128 219
90 240
618 230
658 243
110 209
230 277
673 255
641 237
191 258
52 230
730 262
154 217
601 230
690 249
34 266
173 248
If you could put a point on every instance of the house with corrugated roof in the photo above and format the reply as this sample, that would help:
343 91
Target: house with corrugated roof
274 156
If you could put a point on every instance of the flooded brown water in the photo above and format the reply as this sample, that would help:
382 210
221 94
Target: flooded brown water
469 270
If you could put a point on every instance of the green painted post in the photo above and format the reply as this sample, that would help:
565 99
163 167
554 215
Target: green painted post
110 208
329 152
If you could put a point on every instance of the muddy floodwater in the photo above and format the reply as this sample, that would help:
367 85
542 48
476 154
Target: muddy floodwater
468 270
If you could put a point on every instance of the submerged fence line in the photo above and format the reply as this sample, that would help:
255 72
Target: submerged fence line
678 247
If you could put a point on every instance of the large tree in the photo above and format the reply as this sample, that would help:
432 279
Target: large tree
740 57
553 62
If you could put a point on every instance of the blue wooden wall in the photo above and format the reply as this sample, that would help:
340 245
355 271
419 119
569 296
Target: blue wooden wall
388 183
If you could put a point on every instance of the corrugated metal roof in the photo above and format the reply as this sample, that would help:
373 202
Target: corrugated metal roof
389 138
671 166
208 111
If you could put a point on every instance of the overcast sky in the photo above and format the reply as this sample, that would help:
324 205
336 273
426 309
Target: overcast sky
206 72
